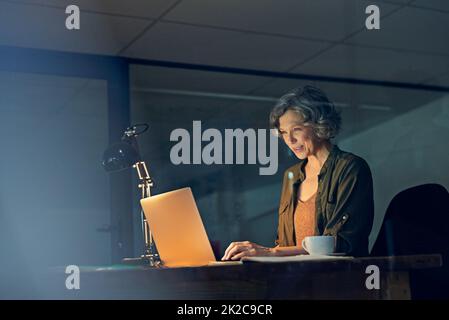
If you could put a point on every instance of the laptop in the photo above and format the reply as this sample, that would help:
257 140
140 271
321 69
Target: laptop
178 230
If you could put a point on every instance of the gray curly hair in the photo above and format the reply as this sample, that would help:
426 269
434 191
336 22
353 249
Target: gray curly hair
314 108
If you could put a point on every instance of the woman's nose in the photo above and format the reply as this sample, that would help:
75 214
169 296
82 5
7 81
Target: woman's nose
291 138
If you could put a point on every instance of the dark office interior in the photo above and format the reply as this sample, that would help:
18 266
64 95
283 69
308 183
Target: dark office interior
67 95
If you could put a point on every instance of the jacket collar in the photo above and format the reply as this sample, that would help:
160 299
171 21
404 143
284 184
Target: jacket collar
300 175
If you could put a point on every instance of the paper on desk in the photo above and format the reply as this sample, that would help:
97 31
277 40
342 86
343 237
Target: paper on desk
302 257
224 263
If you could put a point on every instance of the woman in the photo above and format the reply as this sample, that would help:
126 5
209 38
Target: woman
329 192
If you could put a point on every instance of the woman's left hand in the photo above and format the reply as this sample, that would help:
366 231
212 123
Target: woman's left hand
237 250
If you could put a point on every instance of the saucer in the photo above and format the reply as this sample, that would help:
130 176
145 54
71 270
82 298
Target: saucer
335 254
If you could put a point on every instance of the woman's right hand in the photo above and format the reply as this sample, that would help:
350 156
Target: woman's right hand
238 250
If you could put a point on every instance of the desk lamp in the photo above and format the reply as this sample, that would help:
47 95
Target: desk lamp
123 155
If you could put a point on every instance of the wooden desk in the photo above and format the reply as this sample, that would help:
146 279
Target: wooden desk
337 279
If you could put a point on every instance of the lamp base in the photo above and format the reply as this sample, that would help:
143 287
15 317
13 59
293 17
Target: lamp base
144 260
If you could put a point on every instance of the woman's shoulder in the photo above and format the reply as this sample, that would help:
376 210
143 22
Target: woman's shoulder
350 162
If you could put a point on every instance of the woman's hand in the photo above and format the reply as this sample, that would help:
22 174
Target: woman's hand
237 250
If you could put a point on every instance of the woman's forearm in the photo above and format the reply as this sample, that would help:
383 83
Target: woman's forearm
287 251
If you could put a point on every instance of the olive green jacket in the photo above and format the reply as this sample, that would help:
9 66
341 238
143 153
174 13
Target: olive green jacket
344 202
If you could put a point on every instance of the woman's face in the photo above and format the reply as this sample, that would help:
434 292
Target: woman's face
299 138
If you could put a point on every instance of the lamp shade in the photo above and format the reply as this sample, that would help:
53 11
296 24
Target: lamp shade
119 156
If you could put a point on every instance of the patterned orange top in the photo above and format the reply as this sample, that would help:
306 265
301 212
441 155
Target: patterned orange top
304 219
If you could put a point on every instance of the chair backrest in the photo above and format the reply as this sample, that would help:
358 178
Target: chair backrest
417 222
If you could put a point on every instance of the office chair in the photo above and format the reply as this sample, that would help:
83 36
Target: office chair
417 222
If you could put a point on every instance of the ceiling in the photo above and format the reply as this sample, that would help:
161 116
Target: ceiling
317 37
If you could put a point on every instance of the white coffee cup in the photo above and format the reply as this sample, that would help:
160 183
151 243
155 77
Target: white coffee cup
319 244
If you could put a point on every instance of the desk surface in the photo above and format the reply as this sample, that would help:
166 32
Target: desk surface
387 263
343 278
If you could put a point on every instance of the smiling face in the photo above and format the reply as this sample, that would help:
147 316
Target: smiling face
298 137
